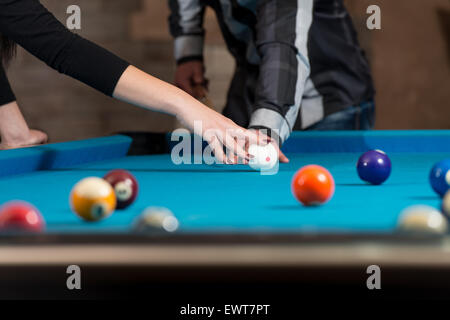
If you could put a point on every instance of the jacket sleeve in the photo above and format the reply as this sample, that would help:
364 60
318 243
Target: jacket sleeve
186 26
6 94
33 27
281 40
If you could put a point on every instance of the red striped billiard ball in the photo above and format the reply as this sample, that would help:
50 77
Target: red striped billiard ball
125 186
20 216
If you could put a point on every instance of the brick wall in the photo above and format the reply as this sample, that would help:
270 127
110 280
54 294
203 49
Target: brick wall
69 110
409 57
410 60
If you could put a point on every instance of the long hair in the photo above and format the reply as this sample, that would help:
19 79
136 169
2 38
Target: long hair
7 49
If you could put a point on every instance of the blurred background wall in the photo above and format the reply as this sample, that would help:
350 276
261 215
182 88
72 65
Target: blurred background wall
410 58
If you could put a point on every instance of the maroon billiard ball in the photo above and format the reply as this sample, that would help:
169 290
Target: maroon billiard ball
125 186
20 216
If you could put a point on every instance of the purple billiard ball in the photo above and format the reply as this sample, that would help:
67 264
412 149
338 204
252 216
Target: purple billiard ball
374 167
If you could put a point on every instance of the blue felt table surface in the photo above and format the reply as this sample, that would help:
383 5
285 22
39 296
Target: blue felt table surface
219 198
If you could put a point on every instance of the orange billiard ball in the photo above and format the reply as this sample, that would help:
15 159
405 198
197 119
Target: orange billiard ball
93 199
313 185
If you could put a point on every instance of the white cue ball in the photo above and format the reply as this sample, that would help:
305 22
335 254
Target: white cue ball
265 156
423 219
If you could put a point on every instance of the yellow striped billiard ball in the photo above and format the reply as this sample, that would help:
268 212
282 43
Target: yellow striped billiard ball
93 199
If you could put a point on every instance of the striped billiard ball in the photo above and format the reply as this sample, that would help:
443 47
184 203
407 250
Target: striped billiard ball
93 199
440 177
125 186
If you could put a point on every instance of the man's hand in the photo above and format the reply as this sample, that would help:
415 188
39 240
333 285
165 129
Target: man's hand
262 137
189 76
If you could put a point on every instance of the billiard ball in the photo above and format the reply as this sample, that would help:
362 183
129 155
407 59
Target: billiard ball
20 216
156 219
374 167
422 219
440 177
313 185
125 186
446 204
265 157
93 199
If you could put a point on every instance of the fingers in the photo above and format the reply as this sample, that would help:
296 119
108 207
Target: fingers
234 151
198 76
282 157
216 143
199 91
233 145
230 142
217 148
256 137
236 142
262 137
185 84
188 75
252 137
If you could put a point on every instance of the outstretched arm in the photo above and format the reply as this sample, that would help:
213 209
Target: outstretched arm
140 89
33 27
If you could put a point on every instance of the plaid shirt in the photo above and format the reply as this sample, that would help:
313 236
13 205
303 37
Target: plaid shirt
309 60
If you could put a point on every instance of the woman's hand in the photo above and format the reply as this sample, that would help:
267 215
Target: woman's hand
226 139
261 136
14 131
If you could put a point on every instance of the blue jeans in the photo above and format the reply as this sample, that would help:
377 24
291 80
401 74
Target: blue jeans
360 117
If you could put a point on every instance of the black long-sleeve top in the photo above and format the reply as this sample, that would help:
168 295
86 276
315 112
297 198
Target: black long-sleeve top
33 27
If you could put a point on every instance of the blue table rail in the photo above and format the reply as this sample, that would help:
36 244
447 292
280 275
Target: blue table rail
60 155
360 141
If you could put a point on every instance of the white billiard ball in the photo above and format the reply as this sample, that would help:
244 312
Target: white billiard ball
265 157
423 219
156 219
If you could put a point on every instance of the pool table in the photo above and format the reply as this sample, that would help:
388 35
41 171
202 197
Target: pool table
235 223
